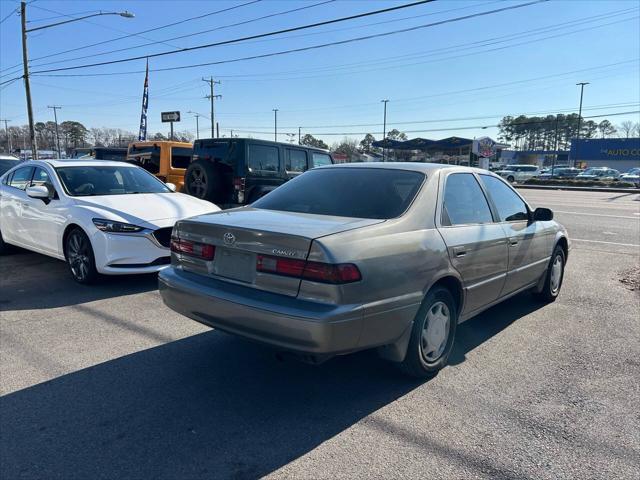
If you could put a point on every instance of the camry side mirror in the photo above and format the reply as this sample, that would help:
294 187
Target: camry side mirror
542 215
171 186
39 191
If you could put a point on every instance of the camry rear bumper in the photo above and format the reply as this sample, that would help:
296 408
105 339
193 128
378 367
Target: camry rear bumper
279 320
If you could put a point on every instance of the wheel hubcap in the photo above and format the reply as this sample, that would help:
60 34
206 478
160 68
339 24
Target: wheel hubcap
435 332
556 274
78 256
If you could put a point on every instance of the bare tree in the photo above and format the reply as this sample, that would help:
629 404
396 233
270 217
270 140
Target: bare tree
626 128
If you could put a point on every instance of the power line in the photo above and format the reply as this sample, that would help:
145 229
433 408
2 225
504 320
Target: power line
267 34
14 11
179 37
341 42
137 34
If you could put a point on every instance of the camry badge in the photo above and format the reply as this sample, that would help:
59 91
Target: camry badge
229 238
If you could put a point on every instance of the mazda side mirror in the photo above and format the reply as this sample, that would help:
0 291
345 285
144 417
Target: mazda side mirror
39 191
171 186
542 215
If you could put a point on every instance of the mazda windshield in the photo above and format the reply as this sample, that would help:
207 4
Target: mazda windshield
90 180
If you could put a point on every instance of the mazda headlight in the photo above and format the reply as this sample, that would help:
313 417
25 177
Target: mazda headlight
112 226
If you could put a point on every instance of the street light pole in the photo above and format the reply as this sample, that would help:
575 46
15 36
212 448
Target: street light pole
55 117
384 131
25 62
582 84
275 124
27 85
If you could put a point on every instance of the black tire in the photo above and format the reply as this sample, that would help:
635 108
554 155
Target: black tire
417 362
552 283
201 180
511 179
80 259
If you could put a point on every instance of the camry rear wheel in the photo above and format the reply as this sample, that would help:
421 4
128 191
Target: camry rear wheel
511 179
80 258
432 335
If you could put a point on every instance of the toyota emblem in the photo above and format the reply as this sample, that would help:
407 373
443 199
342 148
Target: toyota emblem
229 238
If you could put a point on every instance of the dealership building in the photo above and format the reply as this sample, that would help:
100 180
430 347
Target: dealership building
622 154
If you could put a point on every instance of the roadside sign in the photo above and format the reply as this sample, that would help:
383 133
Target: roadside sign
170 116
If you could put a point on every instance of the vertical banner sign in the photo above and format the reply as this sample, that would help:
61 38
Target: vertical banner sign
142 135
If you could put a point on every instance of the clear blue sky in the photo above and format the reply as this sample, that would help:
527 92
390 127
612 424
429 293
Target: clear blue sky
435 75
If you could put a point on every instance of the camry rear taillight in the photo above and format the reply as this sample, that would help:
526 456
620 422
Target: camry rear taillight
313 271
193 249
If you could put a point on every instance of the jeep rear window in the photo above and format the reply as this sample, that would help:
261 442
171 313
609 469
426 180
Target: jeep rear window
180 157
346 192
213 151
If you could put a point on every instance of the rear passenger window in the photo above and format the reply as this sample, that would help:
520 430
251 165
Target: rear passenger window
147 157
296 161
21 178
263 158
464 202
320 159
509 205
180 157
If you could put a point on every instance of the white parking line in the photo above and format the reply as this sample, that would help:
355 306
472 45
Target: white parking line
607 243
596 214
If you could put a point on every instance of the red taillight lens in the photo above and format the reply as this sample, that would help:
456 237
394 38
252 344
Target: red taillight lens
313 271
238 183
193 249
282 266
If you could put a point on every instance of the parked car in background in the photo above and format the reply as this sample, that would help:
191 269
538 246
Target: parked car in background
7 162
560 172
167 160
599 173
101 153
355 256
81 152
632 176
518 173
232 172
101 217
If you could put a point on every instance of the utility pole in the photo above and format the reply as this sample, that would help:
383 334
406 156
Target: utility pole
275 124
299 129
581 84
27 85
212 97
197 127
55 117
384 131
6 130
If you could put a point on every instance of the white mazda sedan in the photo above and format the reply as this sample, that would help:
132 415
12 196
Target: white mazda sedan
101 217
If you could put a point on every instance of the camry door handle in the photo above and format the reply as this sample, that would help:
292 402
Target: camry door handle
459 251
513 242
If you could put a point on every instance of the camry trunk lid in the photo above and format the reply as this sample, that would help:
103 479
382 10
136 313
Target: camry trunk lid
245 237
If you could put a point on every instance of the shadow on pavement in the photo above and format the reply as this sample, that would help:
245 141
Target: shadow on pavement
209 406
31 281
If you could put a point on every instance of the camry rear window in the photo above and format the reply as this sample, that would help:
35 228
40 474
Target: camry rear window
347 192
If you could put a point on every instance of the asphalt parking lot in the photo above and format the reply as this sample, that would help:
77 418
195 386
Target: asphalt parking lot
106 382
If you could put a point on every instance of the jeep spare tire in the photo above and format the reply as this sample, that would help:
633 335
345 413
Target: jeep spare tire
201 180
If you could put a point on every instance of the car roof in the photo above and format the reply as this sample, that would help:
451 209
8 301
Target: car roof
425 167
78 162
